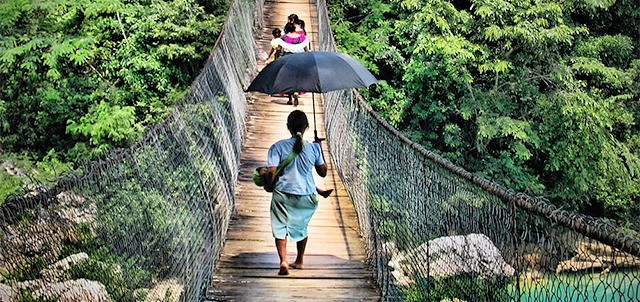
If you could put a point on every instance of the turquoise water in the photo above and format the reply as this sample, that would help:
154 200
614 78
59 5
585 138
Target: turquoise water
621 286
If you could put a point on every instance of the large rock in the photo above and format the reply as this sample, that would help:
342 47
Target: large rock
448 256
55 286
7 293
44 231
39 237
595 255
166 291
58 271
75 209
81 290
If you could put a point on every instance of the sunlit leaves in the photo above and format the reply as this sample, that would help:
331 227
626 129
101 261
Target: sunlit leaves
106 124
600 75
536 25
391 102
498 66
540 96
589 6
10 12
137 56
493 11
614 51
502 126
174 51
583 144
435 16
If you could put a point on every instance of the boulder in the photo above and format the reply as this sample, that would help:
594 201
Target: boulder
7 293
448 256
595 255
80 290
44 231
57 271
167 290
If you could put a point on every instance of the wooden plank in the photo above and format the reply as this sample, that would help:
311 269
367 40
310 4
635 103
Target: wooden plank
335 262
316 273
287 282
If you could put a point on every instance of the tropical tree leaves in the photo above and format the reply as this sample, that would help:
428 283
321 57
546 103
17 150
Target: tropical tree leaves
540 96
66 62
107 125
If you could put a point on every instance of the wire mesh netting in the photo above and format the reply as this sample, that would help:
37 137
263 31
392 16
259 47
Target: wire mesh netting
435 232
146 223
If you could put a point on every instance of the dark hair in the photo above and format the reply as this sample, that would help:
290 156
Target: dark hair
301 23
289 28
292 17
276 32
297 123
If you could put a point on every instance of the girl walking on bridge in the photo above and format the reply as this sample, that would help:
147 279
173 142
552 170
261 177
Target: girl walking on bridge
294 198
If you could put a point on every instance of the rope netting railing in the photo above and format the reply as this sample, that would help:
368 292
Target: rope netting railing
146 223
435 232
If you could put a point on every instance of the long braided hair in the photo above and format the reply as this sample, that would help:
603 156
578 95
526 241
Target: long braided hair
297 123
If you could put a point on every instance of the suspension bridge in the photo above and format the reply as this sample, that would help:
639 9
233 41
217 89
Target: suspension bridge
335 265
175 217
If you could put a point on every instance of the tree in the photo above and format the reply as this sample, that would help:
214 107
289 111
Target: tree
540 96
64 65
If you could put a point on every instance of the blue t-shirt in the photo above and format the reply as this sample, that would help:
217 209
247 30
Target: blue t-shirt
297 177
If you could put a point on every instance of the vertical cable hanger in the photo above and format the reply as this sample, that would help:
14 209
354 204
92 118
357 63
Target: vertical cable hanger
313 101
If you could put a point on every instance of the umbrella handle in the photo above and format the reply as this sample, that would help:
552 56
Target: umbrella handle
315 128
316 138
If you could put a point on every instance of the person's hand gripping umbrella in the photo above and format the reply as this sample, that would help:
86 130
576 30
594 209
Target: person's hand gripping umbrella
315 71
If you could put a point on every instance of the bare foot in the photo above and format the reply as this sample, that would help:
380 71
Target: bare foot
325 193
296 265
284 269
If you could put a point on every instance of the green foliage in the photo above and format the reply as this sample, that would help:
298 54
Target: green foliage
615 51
141 220
107 126
393 224
29 270
9 186
391 102
466 287
77 62
45 172
474 288
120 278
84 241
538 96
84 77
50 168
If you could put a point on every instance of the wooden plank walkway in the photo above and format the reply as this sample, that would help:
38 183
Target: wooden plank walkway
335 267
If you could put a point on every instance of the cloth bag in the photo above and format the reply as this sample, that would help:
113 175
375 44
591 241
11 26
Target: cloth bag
262 178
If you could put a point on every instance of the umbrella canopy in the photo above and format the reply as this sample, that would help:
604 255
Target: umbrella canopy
315 71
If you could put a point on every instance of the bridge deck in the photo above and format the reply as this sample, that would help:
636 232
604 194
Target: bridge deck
335 267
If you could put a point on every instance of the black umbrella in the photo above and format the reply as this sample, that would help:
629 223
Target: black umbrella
315 71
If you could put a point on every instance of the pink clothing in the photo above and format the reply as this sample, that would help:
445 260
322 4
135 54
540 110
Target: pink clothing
294 40
290 47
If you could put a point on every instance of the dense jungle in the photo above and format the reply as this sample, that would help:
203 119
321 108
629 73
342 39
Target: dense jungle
540 96
81 78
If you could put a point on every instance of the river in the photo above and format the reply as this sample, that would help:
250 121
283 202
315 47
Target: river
620 286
